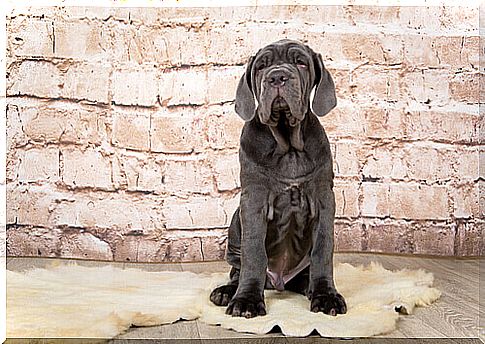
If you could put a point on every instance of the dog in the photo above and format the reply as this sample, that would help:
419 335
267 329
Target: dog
281 235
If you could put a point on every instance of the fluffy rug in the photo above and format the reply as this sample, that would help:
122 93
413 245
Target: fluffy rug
76 301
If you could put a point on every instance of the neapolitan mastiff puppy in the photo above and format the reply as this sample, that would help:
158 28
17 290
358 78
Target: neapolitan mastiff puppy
281 235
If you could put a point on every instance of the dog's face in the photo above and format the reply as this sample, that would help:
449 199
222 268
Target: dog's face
280 78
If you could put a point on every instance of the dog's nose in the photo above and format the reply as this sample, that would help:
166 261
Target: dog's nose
277 78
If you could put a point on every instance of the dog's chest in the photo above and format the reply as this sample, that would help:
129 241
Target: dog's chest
288 240
294 165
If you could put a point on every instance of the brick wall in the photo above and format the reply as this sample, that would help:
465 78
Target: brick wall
122 138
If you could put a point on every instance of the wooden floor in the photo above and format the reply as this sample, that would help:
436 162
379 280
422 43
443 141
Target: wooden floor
454 318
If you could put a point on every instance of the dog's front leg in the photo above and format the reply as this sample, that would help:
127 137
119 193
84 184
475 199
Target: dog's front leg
249 298
322 292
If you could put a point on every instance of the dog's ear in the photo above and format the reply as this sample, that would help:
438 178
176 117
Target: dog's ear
245 103
324 98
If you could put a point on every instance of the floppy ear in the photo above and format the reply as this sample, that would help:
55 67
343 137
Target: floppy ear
324 98
245 104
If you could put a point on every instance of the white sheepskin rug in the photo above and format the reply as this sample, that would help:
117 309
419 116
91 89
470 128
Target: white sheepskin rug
76 301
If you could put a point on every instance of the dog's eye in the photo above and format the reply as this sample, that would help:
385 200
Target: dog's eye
261 66
301 63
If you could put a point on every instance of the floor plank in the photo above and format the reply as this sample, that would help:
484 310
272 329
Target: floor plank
455 314
178 330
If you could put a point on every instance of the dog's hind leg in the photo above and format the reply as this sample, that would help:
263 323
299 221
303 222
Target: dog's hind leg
223 294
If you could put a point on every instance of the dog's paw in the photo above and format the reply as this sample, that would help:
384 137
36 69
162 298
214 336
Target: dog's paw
244 308
332 304
223 294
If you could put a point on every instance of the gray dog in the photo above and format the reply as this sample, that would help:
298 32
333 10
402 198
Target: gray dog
281 235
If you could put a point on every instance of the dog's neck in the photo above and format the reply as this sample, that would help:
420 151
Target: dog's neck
284 142
288 137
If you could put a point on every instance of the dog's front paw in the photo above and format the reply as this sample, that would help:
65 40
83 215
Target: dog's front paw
239 307
332 304
223 294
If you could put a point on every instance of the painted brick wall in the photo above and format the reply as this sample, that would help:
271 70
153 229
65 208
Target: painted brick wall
122 136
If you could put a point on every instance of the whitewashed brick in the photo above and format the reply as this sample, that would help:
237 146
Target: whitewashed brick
434 239
469 239
135 87
465 87
419 50
466 201
222 83
131 130
187 176
198 212
214 247
405 130
39 164
468 164
346 199
183 87
15 131
389 237
61 122
428 163
420 202
444 125
31 37
84 246
31 205
31 241
348 236
227 169
347 158
177 130
384 163
223 127
113 212
245 39
187 46
87 81
143 174
34 78
430 86
383 123
86 169
346 120
375 199
431 163
91 42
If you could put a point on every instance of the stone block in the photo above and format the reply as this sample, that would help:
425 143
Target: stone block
183 87
375 199
346 199
418 202
131 129
389 237
87 81
433 239
86 169
84 245
135 86
227 169
34 78
39 165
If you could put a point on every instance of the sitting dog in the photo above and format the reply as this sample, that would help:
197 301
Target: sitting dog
281 235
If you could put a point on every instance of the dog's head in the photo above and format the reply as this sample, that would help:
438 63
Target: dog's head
281 78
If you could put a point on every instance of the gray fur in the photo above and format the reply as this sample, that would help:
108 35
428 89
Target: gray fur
281 235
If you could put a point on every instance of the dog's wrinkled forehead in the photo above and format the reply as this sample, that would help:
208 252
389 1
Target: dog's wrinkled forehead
283 51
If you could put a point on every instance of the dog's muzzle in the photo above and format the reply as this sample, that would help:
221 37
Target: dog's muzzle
280 110
281 97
